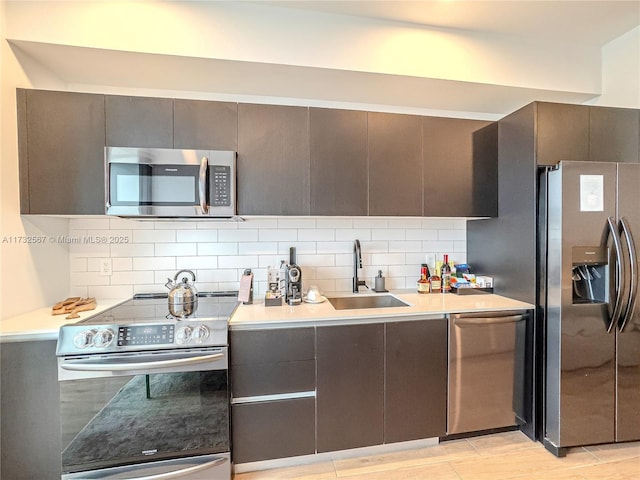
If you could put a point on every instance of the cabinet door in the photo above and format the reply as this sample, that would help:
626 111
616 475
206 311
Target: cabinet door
614 135
139 121
276 429
269 362
30 405
199 124
415 404
273 160
62 153
338 150
395 164
350 386
465 154
562 133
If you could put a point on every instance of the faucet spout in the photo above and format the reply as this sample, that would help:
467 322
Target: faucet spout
357 263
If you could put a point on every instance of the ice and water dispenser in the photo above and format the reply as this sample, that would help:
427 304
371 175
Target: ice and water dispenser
589 274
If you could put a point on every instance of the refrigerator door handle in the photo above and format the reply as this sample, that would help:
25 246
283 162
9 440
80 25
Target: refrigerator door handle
617 306
633 287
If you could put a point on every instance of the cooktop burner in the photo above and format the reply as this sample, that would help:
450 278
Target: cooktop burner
144 323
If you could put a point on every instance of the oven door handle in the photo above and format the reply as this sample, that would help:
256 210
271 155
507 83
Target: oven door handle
183 472
103 365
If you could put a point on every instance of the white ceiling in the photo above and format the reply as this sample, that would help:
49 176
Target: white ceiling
515 22
578 22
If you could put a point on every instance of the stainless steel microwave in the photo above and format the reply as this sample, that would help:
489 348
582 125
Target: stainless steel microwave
163 182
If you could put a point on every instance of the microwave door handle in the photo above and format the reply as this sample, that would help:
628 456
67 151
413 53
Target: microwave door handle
202 185
619 274
633 263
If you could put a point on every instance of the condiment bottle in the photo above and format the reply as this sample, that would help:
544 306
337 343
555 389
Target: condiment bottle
445 273
424 284
436 284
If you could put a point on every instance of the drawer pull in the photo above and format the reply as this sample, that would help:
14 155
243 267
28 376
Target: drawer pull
271 398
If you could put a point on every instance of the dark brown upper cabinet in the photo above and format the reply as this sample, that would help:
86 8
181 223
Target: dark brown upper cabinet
139 121
460 167
338 149
562 132
273 160
614 135
395 164
200 124
61 149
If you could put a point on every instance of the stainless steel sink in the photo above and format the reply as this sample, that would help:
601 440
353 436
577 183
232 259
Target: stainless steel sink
366 301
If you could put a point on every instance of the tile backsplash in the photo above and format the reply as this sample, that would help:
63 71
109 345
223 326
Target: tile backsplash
141 255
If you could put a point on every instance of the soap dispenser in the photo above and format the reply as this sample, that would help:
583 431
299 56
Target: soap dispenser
379 283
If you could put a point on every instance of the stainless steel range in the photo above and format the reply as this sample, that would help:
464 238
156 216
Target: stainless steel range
144 394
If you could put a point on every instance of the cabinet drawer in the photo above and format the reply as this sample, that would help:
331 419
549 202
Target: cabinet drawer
271 362
249 380
272 346
277 429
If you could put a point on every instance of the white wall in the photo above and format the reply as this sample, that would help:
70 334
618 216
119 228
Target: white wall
621 72
144 254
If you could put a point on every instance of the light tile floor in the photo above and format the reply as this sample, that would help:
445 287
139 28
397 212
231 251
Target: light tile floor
501 456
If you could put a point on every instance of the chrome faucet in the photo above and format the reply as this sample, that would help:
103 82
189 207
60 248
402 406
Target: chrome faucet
357 263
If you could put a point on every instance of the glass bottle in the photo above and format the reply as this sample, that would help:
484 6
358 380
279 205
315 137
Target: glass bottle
436 283
424 285
445 274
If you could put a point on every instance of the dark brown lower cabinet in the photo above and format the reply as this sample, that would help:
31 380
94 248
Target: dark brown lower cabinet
273 429
350 395
273 378
30 418
374 383
415 402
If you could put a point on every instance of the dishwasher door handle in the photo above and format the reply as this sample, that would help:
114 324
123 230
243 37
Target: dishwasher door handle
481 321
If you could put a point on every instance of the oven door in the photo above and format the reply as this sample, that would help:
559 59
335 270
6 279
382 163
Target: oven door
152 415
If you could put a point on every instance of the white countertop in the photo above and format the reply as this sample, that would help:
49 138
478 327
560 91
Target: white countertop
41 325
255 316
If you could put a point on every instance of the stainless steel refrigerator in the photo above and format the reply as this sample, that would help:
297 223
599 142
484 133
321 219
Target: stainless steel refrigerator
588 239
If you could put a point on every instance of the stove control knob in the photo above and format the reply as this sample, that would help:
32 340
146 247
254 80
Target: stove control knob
183 335
200 334
84 339
103 338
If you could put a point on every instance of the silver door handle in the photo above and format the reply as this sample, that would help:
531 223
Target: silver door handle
202 185
617 307
183 472
106 366
480 321
633 261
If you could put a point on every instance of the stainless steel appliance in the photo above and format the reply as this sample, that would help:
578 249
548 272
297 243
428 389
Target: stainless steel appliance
144 395
589 229
162 182
483 364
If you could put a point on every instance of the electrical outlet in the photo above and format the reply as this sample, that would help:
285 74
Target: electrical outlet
105 267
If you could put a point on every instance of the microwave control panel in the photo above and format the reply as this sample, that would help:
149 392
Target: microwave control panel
220 185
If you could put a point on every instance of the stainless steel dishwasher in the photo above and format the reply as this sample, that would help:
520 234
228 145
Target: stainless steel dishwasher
482 359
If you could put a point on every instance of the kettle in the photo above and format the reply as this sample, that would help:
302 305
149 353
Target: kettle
183 296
